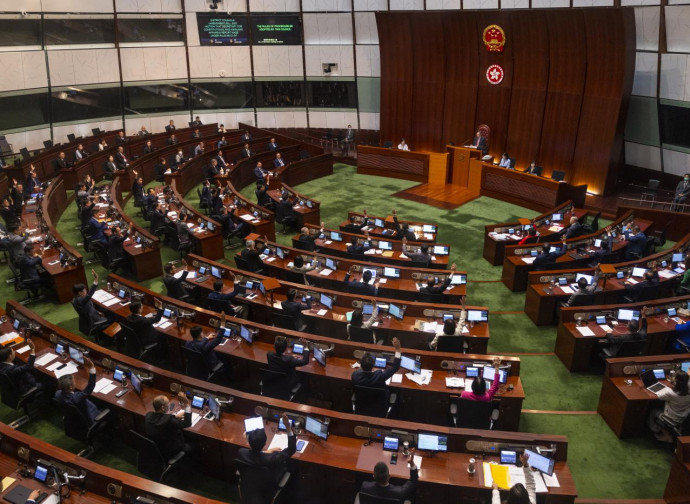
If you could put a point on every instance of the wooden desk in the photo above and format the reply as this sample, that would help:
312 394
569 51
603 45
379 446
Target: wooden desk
307 210
624 403
465 167
678 484
388 228
331 469
576 351
301 170
536 193
408 165
497 236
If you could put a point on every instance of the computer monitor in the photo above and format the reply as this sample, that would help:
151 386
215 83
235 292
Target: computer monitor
367 309
553 249
391 443
508 457
262 288
601 319
511 231
671 312
122 294
167 313
471 372
279 253
317 428
41 473
227 332
557 217
215 272
458 279
326 301
76 355
391 272
136 382
685 366
319 356
246 334
118 374
562 281
597 243
589 278
379 223
214 407
59 348
203 270
282 426
620 274
432 442
335 236
624 314
488 373
198 402
411 364
534 253
540 462
385 245
331 264
211 227
428 228
477 315
380 362
396 311
253 423
440 250
298 348
16 324
370 270
309 204
249 285
638 272
447 316
659 374
677 257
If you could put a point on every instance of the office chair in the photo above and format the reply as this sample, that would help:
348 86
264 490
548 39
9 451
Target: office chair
25 153
451 343
11 397
371 401
387 144
77 426
364 498
96 131
203 202
275 384
284 321
660 236
470 414
133 345
594 226
295 277
512 163
198 368
218 305
150 462
241 263
285 218
20 286
427 297
307 245
629 348
47 144
252 484
363 335
650 191
558 175
583 300
71 137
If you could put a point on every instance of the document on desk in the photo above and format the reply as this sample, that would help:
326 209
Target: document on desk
162 321
270 259
321 312
179 274
101 296
585 331
402 254
551 481
429 326
631 281
606 328
501 476
667 273
101 384
195 418
278 443
455 382
110 301
8 337
528 260
45 359
423 378
387 253
567 290
247 217
370 252
23 349
70 368
383 281
325 272
396 378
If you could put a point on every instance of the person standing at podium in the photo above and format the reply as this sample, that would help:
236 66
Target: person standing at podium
479 142
403 146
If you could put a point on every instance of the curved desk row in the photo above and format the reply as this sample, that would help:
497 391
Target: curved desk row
384 227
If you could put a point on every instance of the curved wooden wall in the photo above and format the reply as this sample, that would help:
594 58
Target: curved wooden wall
563 100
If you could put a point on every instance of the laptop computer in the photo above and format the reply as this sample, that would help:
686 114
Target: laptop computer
651 382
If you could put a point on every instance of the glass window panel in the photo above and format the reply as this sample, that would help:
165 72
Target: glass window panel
156 98
20 32
150 30
21 111
332 94
222 95
75 104
79 31
675 125
280 94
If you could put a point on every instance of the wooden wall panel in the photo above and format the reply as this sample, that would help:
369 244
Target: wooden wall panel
567 70
530 81
462 55
493 101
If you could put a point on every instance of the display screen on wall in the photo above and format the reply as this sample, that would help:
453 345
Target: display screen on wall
222 29
276 29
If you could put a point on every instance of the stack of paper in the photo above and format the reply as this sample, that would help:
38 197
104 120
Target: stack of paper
45 359
423 378
455 382
8 337
528 260
325 272
567 290
429 327
101 296
585 331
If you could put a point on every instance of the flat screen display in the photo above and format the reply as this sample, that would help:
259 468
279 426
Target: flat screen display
477 315
395 311
41 473
330 264
76 355
136 382
540 462
198 402
319 356
391 272
246 334
390 443
411 364
380 362
432 442
677 257
282 29
219 29
624 314
335 236
384 245
378 223
326 301
216 272
214 406
440 250
638 272
589 278
319 429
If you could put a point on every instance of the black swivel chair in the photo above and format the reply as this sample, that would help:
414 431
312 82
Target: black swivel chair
469 414
512 163
363 335
275 384
387 144
631 348
252 484
11 397
371 401
295 277
558 175
150 462
47 144
583 300
365 498
307 245
71 137
285 218
427 297
284 321
20 286
241 263
451 343
198 368
134 346
77 426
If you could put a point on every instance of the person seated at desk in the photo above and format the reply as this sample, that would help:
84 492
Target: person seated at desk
227 220
519 493
403 146
221 160
246 152
252 256
20 375
102 145
17 198
649 280
174 285
402 230
383 489
83 305
116 242
120 158
479 142
179 158
121 138
158 219
199 149
307 236
142 325
9 215
432 287
196 134
684 286
172 140
505 162
287 364
637 242
206 345
246 137
682 193
196 123
637 331
170 128
584 288
353 226
676 407
357 320
109 167
212 169
137 187
80 153
532 169
262 197
278 161
61 162
294 308
357 248
367 377
184 234
15 242
219 295
83 194
362 287
546 259
32 184
272 145
450 328
69 396
28 264
422 258
97 229
166 429
260 173
148 148
574 230
479 392
143 132
532 236
161 167
284 211
150 200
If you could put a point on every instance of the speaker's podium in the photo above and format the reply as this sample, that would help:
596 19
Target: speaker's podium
465 167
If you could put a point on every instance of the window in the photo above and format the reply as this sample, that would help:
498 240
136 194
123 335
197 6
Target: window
332 94
24 110
675 125
280 94
156 98
75 104
150 30
20 32
79 31
222 95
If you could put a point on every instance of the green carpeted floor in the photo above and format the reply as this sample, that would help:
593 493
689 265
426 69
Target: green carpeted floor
602 465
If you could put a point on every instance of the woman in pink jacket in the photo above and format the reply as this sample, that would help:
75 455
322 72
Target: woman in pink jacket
479 392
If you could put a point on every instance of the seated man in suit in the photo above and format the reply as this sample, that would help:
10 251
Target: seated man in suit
167 429
637 331
307 236
32 184
15 242
226 219
206 345
121 138
109 168
272 145
143 324
505 161
682 193
260 173
174 284
143 132
8 214
219 295
161 167
367 377
116 242
278 161
381 486
158 219
356 227
649 280
637 242
532 169
278 361
212 169
251 255
197 122
97 229
179 158
170 128
221 143
69 396
17 197
199 149
294 308
402 231
246 151
584 288
432 287
83 305
262 197
80 153
423 257
121 159
545 258
284 211
362 287
575 229
196 134
479 142
28 264
172 140
148 148
357 248
20 375
61 161
246 137
221 160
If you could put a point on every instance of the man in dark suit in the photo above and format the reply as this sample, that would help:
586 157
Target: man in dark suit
32 184
307 236
142 325
284 211
161 167
356 227
172 140
367 377
206 345
61 161
158 219
8 214
251 255
212 169
199 149
28 267
545 258
349 139
121 159
166 429
17 196
84 306
381 486
20 375
278 361
148 148
260 173
637 242
649 280
246 137
246 151
174 285
226 297
479 142
402 231
170 128
197 123
278 161
682 192
221 160
423 257
110 167
363 287
637 331
432 287
138 187
355 247
69 396
226 219
196 134
97 229
15 242
294 308
116 249
262 197
575 228
121 138
272 145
